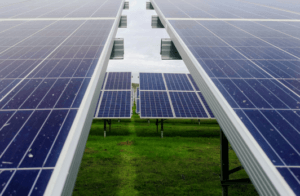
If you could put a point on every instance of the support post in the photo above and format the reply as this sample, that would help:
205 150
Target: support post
224 163
199 121
104 128
119 120
156 125
148 122
162 128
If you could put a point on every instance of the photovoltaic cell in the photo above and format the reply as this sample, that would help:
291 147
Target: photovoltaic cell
228 9
255 66
178 82
155 104
118 80
151 81
183 99
115 104
187 104
45 69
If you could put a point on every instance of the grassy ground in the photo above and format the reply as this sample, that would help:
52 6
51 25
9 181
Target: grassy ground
134 160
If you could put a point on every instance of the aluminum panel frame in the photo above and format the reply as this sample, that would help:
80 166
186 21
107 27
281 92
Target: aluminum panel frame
63 178
263 174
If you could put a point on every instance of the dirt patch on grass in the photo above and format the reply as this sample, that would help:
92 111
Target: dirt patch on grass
127 143
90 151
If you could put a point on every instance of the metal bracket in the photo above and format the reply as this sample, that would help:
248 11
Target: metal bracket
123 22
118 49
156 23
126 5
149 6
168 50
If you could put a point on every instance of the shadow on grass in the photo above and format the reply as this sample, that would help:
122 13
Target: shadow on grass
193 175
97 176
117 128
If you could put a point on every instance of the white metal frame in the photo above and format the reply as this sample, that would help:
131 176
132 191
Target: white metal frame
63 178
263 174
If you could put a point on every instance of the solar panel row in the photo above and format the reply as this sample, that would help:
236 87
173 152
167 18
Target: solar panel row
249 67
180 100
228 9
46 69
115 101
61 9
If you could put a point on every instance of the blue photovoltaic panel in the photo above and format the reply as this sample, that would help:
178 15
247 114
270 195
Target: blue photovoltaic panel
45 69
187 104
115 104
206 105
137 105
178 82
225 9
151 81
193 82
61 9
155 104
138 92
255 65
118 80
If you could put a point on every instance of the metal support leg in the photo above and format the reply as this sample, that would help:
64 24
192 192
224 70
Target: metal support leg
119 120
199 121
162 128
104 128
224 162
148 122
156 125
225 172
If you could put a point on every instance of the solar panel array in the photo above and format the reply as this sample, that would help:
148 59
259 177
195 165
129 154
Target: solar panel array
138 106
245 55
115 100
169 95
48 58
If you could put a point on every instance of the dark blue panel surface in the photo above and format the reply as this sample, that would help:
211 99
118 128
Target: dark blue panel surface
118 80
115 104
187 104
151 81
45 69
41 184
292 176
259 73
155 104
138 92
178 82
21 182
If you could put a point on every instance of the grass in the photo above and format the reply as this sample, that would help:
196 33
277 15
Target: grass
134 160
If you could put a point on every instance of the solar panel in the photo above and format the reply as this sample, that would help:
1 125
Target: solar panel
137 92
152 81
137 106
155 104
182 97
228 9
248 70
49 72
62 9
187 104
178 82
115 100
